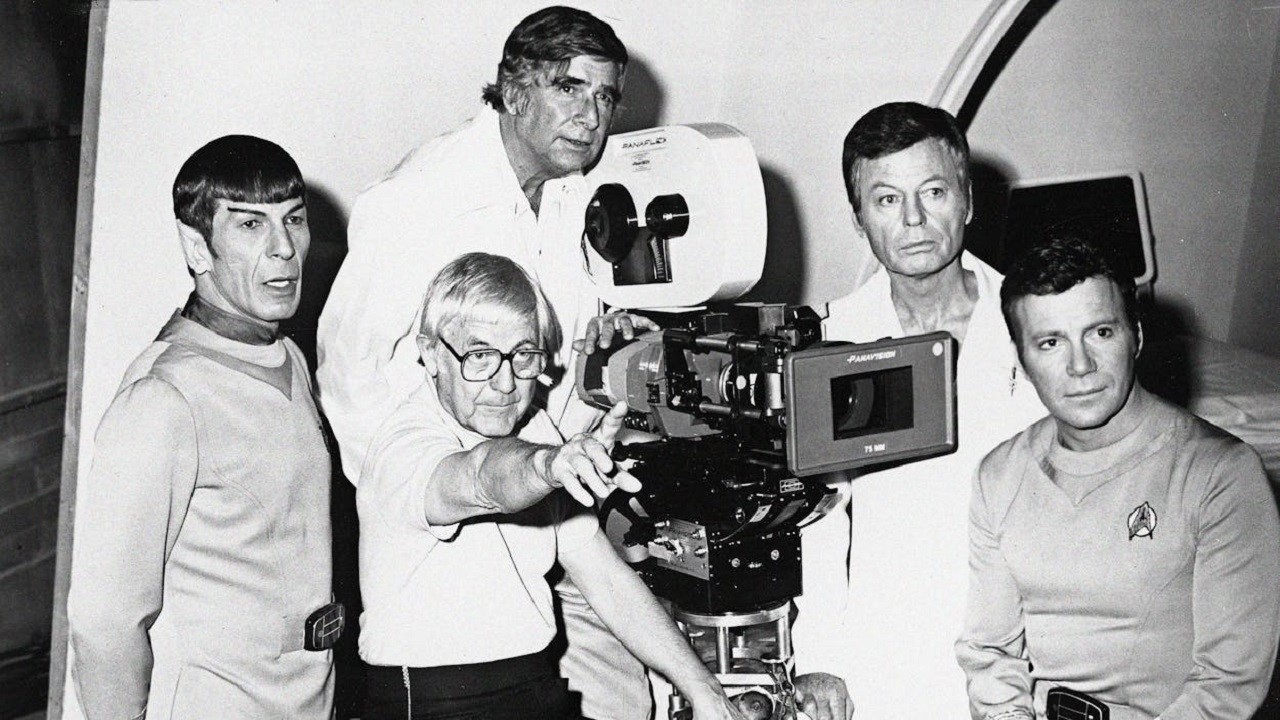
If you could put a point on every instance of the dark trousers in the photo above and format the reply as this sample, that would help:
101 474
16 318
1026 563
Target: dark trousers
522 688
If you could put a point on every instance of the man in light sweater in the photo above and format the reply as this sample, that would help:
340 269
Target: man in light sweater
1124 553
201 575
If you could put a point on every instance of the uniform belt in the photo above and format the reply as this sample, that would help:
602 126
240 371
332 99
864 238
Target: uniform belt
1065 704
320 629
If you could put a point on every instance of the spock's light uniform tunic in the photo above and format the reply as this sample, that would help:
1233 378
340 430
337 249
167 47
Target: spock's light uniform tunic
203 537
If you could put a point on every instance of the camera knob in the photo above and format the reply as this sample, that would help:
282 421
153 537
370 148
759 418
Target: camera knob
667 216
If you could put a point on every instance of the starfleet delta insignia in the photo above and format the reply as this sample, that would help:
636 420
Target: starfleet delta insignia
1142 521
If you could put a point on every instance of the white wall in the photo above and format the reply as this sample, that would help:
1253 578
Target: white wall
347 88
1179 90
1255 317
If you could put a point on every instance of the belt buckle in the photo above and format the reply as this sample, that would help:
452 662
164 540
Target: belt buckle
1065 704
324 627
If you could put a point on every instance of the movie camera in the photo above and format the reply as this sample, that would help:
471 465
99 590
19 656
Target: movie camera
747 406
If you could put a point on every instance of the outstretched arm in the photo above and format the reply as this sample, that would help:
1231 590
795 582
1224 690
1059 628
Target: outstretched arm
417 466
506 475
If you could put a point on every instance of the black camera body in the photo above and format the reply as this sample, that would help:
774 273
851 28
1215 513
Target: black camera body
716 543
747 406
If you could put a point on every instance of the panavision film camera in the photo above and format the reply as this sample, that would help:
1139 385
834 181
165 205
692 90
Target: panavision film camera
749 406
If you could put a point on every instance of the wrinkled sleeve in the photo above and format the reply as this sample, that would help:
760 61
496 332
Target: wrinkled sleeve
992 647
403 458
1236 593
129 512
824 551
366 337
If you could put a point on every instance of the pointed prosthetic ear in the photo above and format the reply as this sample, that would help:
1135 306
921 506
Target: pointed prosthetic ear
428 355
968 218
195 249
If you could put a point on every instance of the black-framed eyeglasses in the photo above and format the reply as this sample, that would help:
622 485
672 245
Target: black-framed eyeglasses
480 365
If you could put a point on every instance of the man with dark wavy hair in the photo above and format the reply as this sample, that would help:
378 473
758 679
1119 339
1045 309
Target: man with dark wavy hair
508 182
201 581
1123 552
550 39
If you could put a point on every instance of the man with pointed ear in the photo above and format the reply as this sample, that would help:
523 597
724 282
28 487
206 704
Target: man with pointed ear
201 574
1123 552
509 182
885 577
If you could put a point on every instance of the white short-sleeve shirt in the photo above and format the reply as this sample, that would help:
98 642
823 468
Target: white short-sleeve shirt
465 593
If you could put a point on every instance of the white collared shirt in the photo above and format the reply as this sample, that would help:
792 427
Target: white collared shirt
461 593
888 625
455 194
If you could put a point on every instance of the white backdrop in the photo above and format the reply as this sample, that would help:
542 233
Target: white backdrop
348 88
1180 91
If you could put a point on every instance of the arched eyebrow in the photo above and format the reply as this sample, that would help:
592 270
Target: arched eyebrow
250 211
564 79
1104 321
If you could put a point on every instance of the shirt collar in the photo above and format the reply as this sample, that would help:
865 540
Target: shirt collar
878 290
232 327
217 348
494 181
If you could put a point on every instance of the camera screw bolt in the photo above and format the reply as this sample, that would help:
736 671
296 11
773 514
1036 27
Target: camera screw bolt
735 562
775 555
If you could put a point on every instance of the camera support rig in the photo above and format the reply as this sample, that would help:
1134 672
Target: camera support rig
719 513
747 405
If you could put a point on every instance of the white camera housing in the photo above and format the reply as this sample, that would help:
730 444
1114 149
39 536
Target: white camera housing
712 167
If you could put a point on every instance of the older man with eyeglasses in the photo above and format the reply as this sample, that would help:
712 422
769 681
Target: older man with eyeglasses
460 521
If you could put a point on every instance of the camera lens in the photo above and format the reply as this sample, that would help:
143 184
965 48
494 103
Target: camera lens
873 402
852 402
